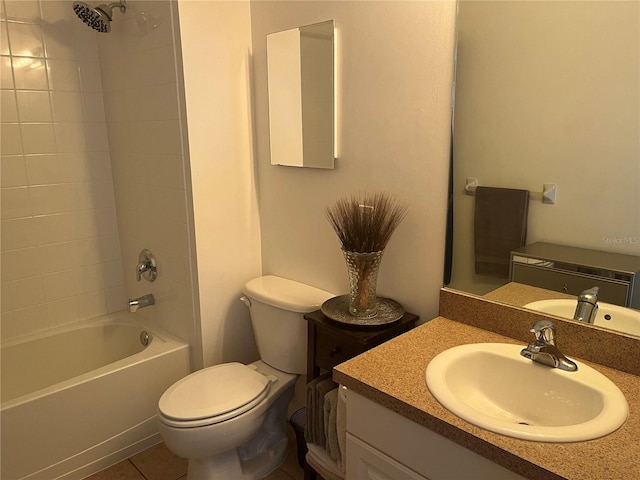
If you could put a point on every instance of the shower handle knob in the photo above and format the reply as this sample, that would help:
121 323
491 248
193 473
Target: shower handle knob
147 267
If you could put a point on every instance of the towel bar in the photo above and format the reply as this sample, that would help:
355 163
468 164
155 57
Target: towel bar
548 194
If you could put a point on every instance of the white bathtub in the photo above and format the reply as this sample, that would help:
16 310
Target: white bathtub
83 397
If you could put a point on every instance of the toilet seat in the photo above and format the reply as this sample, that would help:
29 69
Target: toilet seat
213 395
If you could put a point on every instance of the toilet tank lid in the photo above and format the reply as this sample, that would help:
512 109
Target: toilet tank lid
286 294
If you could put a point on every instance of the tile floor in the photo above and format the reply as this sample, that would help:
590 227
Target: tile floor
158 463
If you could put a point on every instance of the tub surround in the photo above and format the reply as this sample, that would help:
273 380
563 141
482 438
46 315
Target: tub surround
392 375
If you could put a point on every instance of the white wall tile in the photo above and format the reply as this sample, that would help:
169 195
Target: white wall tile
91 305
74 167
34 106
6 73
13 171
23 10
18 233
67 167
67 106
90 77
15 203
70 137
7 325
4 38
115 299
10 139
31 319
85 43
63 75
100 166
38 138
54 228
30 73
8 107
22 263
96 137
26 40
65 284
59 42
93 107
24 292
43 169
57 12
56 257
49 199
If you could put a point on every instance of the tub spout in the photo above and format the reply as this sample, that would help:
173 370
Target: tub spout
141 302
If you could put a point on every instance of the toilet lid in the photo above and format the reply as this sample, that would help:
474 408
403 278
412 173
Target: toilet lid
213 395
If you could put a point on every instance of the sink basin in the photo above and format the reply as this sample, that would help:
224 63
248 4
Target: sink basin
492 386
617 318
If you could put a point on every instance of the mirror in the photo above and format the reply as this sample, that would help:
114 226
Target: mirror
300 70
547 93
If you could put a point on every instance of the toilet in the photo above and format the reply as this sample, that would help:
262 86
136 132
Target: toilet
229 420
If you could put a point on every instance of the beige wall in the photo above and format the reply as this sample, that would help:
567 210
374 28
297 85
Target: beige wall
216 50
547 92
60 249
395 63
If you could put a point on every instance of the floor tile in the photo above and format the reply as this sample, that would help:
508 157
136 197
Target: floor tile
290 465
120 471
277 475
159 463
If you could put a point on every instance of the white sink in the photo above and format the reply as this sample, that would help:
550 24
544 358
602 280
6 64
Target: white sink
492 386
617 318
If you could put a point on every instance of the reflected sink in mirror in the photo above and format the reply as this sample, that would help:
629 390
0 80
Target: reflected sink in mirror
493 387
614 317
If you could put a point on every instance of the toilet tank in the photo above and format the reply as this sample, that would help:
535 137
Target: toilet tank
277 307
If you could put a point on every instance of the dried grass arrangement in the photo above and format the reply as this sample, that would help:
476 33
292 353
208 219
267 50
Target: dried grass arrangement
364 223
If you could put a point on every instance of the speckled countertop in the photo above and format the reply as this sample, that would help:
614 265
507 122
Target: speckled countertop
392 375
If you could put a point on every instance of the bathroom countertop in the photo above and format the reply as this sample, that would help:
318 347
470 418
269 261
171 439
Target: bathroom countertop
519 294
392 375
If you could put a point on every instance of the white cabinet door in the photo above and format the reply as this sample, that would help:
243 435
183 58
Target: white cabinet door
367 463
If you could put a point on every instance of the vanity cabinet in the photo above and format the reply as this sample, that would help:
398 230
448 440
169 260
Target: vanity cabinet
383 445
573 270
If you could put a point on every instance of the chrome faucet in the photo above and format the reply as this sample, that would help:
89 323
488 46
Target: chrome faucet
141 302
587 306
543 350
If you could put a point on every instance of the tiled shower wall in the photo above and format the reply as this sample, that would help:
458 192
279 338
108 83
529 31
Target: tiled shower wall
61 258
140 72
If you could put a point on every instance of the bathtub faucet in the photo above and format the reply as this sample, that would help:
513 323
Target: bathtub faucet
141 302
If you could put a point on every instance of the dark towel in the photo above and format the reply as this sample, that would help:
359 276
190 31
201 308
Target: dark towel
500 227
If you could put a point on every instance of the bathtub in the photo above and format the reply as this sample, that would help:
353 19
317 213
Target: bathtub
83 397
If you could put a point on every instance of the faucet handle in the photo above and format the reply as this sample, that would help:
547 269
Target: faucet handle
545 331
147 266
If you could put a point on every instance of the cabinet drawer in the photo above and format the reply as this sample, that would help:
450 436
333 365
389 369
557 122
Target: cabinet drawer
611 291
332 350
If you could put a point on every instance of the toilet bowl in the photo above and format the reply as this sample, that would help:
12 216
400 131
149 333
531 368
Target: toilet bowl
229 419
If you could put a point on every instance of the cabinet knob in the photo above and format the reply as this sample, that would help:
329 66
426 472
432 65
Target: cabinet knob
334 351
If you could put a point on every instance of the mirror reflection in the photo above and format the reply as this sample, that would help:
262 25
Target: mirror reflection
547 93
300 64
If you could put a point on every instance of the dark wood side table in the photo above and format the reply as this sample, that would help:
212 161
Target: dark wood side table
331 343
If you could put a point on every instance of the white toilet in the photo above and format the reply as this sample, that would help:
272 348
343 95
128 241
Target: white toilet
229 419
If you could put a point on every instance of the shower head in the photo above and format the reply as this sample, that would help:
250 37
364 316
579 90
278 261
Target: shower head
98 18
